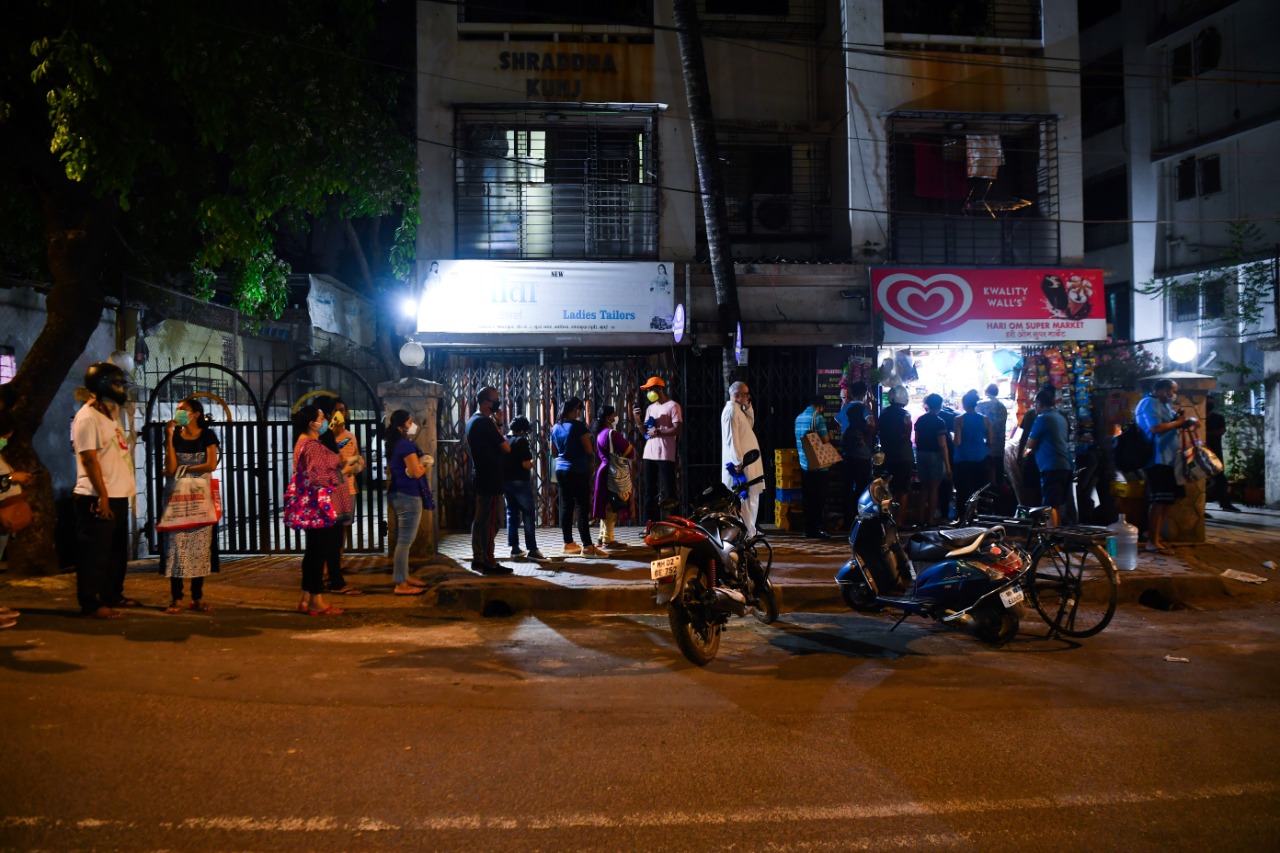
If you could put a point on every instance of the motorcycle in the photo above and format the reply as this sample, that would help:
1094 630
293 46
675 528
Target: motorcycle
707 569
972 576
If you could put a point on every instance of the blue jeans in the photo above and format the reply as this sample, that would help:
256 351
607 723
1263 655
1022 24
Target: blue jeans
408 510
519 495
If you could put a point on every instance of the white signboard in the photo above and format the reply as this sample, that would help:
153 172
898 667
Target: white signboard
337 309
547 296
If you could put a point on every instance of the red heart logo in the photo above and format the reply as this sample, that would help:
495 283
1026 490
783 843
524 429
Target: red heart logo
924 306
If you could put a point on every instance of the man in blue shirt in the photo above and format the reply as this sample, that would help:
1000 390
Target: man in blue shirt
1048 441
813 482
1156 417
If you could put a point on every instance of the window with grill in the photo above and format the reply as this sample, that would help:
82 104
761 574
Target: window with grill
1198 56
1199 176
979 19
776 187
637 13
1215 299
1186 304
555 185
973 188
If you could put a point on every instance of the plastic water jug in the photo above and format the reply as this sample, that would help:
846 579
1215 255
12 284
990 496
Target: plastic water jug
1122 544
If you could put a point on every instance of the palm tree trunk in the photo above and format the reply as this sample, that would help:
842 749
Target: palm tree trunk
706 155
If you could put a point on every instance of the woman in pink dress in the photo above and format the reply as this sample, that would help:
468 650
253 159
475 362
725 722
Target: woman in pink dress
608 505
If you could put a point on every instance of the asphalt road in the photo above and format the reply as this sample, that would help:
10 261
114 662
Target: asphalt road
252 730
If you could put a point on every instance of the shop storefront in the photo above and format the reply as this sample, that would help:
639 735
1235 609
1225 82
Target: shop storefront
951 331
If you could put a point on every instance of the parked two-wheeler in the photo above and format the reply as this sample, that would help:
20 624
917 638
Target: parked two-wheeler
707 569
972 576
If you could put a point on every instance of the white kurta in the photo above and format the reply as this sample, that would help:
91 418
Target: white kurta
737 438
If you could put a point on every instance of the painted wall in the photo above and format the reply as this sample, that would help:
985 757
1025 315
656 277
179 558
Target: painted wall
22 316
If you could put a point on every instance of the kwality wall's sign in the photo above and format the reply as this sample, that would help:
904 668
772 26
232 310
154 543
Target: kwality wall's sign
557 297
989 305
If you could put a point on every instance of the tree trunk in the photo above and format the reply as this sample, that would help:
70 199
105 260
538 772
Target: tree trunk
73 311
386 352
693 65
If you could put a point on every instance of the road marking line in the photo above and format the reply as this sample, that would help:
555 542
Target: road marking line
599 820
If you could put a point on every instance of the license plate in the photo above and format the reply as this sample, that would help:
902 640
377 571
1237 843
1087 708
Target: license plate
664 568
1011 596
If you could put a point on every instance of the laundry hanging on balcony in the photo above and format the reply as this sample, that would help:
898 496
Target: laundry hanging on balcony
984 155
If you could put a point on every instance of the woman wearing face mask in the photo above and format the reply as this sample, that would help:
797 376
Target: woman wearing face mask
574 452
607 505
189 444
404 495
323 467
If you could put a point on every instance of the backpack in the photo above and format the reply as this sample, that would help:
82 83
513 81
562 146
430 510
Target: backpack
1131 449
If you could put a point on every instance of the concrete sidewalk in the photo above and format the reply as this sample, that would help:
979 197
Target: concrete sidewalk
803 572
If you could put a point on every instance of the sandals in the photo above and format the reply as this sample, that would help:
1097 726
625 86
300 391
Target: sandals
175 606
128 602
328 611
347 590
104 612
416 582
199 606
416 591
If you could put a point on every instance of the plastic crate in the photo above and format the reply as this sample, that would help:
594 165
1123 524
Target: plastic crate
1129 489
788 495
786 457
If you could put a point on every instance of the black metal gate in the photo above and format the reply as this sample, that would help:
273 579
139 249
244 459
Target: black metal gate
256 449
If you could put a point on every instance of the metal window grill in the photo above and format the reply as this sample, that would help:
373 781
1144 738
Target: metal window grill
540 183
781 19
940 215
776 186
977 19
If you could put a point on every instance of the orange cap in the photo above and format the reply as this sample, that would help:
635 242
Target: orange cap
653 382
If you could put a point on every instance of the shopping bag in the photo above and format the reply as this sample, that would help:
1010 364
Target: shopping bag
1205 458
192 502
15 514
619 475
424 489
308 507
1187 464
817 453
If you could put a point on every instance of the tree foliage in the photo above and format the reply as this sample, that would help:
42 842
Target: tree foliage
174 142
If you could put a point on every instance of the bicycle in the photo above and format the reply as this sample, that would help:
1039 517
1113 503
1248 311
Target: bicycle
1072 582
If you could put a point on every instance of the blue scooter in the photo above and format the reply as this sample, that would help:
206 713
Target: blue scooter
973 577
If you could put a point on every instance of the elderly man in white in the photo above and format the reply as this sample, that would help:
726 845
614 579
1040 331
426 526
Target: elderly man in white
737 437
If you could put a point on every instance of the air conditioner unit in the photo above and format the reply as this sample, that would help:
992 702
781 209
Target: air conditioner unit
775 214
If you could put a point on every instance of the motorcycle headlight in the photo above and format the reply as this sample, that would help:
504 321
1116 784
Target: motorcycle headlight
658 533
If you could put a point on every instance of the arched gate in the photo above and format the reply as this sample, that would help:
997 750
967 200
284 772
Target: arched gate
256 447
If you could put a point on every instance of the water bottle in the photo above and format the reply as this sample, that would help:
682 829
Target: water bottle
1122 544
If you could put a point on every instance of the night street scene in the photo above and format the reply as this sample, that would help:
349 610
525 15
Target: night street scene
769 425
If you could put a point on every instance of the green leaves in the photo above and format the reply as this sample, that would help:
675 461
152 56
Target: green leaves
210 124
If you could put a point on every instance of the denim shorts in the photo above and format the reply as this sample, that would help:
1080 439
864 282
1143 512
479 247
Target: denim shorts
930 467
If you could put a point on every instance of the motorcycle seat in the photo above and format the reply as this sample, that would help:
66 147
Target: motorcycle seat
937 544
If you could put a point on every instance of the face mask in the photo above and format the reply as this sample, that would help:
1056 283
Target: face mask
4 442
320 426
652 396
182 417
338 420
411 430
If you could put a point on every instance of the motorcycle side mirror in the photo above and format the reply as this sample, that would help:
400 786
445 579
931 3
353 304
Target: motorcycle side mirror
750 457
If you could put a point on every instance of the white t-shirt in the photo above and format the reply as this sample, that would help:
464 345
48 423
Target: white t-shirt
92 430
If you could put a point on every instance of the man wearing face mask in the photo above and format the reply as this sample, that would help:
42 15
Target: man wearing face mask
663 424
484 438
737 424
104 485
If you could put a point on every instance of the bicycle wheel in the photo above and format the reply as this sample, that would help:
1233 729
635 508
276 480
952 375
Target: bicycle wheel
1073 588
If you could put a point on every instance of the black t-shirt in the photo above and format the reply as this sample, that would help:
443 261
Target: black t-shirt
486 454
205 439
1214 423
895 435
928 427
855 441
512 469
